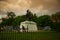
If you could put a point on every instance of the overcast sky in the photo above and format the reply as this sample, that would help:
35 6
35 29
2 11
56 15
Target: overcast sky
40 7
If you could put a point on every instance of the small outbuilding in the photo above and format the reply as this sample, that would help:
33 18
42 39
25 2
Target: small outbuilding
28 26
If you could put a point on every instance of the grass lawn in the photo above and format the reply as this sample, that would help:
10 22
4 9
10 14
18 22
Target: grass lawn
30 36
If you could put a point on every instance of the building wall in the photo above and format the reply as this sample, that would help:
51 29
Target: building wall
31 27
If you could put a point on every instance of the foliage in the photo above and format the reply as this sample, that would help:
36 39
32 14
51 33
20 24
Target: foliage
34 18
8 21
56 21
29 15
41 21
56 17
18 20
44 20
11 14
4 22
56 26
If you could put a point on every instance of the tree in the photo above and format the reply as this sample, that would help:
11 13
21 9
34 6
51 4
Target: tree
29 15
3 24
56 17
55 26
44 21
56 21
11 14
34 18
18 20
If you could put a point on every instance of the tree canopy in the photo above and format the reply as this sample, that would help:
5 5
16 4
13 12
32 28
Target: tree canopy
41 21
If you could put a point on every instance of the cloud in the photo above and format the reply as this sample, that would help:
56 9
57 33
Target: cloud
36 6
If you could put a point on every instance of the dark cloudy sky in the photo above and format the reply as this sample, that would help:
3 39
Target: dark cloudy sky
40 7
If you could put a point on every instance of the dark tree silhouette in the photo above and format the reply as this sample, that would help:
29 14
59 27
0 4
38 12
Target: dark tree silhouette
11 14
29 15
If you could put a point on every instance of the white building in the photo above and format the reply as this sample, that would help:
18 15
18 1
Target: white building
28 26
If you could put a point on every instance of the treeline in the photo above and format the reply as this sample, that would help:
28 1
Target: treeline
53 21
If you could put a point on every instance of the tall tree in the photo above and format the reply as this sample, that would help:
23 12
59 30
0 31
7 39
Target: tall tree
11 14
56 17
18 20
56 21
44 20
29 15
34 18
3 24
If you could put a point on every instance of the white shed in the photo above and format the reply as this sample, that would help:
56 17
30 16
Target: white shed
28 26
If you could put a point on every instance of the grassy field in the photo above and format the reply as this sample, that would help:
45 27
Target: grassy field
30 36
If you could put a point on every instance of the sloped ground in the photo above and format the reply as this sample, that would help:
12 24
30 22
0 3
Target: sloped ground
30 36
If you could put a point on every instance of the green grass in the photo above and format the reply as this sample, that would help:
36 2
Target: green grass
30 36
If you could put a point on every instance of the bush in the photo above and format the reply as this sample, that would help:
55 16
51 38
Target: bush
56 26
